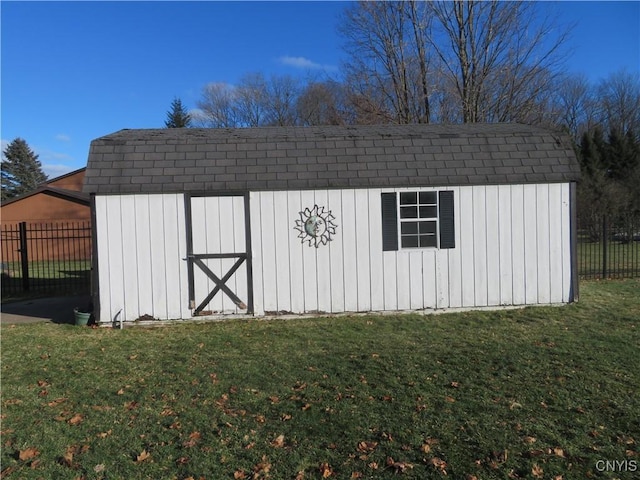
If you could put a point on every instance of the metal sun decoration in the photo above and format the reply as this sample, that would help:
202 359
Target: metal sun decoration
316 226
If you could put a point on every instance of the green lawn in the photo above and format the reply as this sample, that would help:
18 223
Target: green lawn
544 392
623 259
46 278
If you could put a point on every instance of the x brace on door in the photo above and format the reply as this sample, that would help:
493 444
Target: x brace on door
220 283
197 259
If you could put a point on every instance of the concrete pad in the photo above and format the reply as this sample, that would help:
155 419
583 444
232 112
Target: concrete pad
54 309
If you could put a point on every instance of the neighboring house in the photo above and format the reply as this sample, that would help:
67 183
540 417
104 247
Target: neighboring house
331 219
57 200
53 213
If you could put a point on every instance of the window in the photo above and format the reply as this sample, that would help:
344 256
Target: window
417 220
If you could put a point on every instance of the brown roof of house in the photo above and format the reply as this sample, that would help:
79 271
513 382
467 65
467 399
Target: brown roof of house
287 158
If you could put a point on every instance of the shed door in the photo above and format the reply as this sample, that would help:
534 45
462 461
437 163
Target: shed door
218 254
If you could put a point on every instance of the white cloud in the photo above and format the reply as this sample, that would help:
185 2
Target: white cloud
302 62
63 138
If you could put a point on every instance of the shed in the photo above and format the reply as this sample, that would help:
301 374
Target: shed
331 219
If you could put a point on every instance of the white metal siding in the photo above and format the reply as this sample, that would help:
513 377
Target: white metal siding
512 248
141 247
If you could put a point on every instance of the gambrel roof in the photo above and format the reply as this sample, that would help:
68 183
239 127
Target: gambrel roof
288 158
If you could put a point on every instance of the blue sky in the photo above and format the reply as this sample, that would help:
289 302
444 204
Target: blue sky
75 71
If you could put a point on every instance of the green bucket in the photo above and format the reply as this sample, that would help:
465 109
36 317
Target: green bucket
82 318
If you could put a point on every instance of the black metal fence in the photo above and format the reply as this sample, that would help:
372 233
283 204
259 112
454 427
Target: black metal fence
608 250
44 259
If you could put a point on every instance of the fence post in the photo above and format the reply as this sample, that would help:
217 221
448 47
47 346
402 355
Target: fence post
604 247
24 256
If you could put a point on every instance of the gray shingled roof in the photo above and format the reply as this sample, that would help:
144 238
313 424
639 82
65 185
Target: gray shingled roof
282 158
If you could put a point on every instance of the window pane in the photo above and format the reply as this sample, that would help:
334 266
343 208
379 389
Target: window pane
409 228
410 241
428 241
428 212
408 198
408 212
428 228
428 197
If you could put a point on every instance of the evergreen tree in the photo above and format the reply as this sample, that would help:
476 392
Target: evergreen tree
622 154
177 117
21 170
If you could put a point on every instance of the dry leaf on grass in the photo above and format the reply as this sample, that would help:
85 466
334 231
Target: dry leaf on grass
367 447
399 467
326 470
278 442
28 454
144 455
76 419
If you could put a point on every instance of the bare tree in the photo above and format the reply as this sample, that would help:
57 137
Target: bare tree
321 103
282 95
251 100
216 108
389 60
416 60
618 98
498 60
254 102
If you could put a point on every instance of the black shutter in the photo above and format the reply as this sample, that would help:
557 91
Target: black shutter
447 227
389 222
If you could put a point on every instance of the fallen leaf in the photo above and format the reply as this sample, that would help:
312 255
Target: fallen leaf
182 460
144 455
373 465
278 442
285 416
454 384
536 471
529 440
399 467
450 399
239 475
306 406
194 438
55 402
99 468
120 392
300 475
558 452
131 405
43 383
28 454
438 464
262 468
76 419
274 400
367 447
67 458
325 470
104 434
